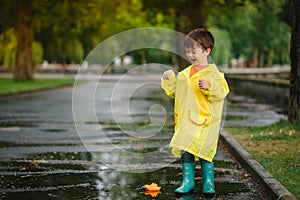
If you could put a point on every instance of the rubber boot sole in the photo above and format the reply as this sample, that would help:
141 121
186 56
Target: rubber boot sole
179 194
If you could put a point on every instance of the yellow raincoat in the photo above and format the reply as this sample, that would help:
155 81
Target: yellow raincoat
197 112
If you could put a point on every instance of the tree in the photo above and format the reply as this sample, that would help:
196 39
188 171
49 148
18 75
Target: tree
272 34
59 25
294 100
18 19
185 16
260 36
24 67
54 27
222 51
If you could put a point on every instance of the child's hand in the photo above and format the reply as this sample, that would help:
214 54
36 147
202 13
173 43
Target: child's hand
203 84
167 76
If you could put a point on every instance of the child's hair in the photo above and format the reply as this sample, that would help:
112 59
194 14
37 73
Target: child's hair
200 37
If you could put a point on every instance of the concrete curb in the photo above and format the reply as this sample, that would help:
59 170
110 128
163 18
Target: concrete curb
273 188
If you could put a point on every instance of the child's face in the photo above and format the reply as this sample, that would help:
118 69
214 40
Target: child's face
197 55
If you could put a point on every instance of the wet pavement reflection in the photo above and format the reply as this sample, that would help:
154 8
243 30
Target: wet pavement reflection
114 154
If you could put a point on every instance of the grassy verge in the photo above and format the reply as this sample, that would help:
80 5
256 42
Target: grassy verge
277 148
8 86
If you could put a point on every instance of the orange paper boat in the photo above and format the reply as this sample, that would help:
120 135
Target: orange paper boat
152 193
152 187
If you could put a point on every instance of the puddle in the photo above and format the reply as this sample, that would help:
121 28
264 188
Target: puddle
90 182
62 175
249 112
225 164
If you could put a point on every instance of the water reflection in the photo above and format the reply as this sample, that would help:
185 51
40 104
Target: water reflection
82 180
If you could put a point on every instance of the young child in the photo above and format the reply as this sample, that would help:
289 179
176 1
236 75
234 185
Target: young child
199 91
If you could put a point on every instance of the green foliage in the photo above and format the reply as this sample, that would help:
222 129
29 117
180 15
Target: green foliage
37 52
152 56
281 136
234 18
222 51
8 47
66 31
8 15
251 25
159 56
273 35
235 118
70 30
58 27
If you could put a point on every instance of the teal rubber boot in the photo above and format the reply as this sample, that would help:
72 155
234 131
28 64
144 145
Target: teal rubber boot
208 178
188 182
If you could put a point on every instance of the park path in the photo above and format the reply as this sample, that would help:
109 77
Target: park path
107 149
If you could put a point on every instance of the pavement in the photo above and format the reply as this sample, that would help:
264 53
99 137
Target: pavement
106 139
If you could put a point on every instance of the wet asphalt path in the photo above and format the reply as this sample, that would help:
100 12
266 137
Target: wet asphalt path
107 145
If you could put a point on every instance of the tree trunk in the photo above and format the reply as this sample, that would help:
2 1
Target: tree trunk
192 11
294 100
24 66
143 57
255 57
270 59
261 59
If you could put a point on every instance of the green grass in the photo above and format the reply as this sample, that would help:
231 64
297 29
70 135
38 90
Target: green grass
277 148
8 86
236 118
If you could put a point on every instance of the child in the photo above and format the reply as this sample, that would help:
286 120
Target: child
199 91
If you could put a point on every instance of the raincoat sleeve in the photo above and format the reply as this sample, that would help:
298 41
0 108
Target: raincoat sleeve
169 86
218 88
